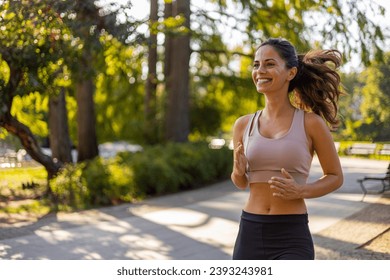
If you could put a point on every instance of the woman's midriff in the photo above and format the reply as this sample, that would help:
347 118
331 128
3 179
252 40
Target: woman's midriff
262 201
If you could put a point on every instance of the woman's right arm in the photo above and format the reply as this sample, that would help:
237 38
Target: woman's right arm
239 176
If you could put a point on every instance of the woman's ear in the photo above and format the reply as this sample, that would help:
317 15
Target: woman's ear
292 73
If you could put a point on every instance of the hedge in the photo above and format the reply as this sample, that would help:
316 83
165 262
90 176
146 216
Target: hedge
157 170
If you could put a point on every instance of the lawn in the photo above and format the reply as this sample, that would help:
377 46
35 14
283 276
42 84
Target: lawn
16 198
13 178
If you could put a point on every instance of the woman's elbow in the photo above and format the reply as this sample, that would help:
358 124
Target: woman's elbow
339 180
239 182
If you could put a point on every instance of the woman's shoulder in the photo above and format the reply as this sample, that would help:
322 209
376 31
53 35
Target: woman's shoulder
314 123
313 119
240 126
242 121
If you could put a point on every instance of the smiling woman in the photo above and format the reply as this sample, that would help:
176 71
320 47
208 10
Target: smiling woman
274 147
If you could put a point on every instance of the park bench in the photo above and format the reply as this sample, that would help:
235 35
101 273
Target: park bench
361 149
385 150
385 180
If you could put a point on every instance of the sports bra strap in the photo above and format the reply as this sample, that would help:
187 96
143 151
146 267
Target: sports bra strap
249 130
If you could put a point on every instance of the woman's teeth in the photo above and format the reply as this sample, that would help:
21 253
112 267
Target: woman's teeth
262 81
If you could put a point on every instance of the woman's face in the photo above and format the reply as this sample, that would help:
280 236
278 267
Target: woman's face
270 73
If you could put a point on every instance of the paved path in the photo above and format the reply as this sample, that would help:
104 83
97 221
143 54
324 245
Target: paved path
199 224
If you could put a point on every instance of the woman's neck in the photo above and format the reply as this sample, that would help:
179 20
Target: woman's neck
277 108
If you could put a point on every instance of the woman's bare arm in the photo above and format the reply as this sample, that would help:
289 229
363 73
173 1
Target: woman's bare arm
238 176
323 146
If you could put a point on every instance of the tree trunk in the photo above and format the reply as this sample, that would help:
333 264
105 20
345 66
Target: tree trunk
167 46
177 115
29 142
60 143
87 16
150 128
86 133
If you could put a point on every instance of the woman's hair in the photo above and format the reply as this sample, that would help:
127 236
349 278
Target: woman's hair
316 84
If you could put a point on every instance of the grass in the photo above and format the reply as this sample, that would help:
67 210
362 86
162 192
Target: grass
15 199
15 177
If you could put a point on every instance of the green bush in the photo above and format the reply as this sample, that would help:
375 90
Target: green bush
129 176
121 187
94 183
70 189
173 167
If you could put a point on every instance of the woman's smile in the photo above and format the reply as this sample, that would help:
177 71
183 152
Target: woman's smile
262 81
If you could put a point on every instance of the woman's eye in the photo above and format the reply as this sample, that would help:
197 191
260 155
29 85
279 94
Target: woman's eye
269 64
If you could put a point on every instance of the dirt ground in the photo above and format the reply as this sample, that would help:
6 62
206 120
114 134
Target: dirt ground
364 235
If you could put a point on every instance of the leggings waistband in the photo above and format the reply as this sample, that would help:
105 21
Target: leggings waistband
286 218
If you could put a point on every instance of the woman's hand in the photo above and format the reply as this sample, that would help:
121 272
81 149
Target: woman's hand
240 160
285 187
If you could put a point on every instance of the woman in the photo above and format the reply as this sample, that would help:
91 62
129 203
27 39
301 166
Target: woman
274 147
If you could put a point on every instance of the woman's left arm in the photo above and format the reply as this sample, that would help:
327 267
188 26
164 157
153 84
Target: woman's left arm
323 145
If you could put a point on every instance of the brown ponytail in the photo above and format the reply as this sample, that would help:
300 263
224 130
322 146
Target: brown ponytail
317 84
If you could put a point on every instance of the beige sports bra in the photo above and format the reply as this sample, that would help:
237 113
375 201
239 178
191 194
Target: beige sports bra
266 156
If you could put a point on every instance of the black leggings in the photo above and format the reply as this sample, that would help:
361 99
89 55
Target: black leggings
273 237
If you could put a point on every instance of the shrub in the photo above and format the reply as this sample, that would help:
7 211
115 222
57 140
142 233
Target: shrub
178 166
69 188
121 186
96 176
129 176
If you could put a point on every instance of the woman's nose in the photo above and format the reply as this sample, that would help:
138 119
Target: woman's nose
261 69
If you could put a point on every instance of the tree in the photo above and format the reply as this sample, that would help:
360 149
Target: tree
177 86
119 95
60 143
86 27
376 101
344 25
88 22
31 39
150 106
349 106
37 41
